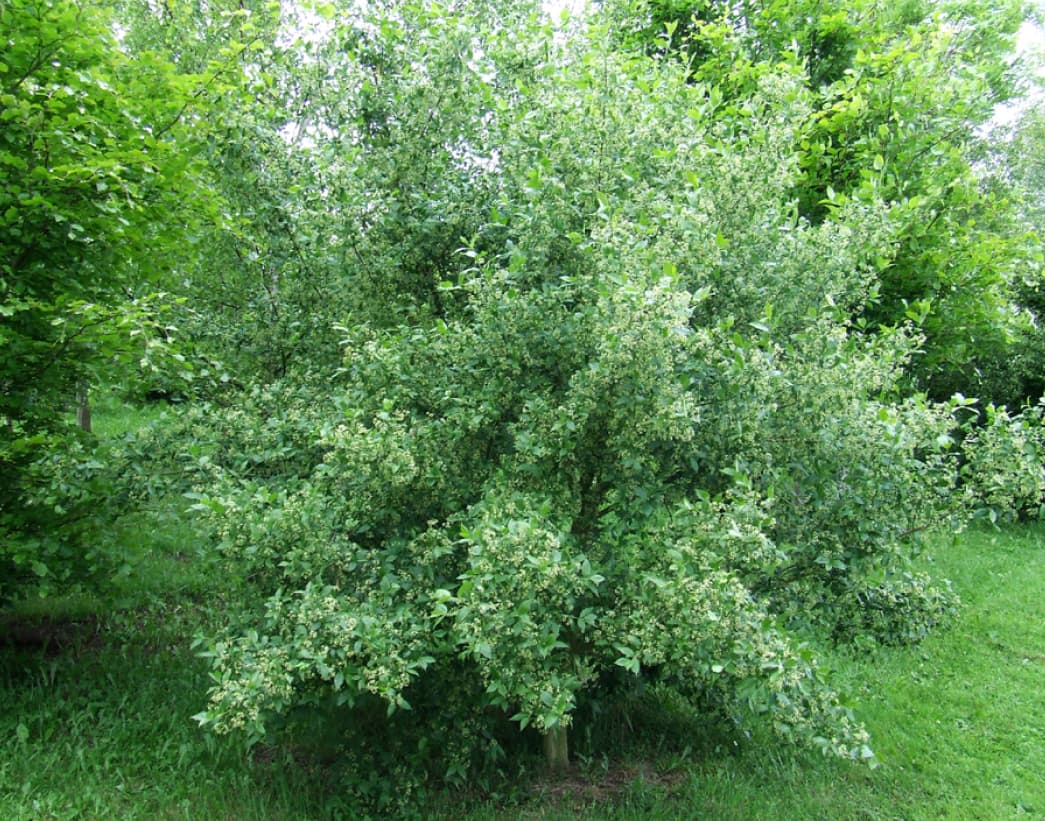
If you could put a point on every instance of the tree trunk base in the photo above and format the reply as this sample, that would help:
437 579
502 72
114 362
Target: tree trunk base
556 748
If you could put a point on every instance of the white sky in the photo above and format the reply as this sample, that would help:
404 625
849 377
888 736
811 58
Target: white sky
555 7
1030 44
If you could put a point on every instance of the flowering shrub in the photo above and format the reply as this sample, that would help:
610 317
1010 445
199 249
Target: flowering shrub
631 428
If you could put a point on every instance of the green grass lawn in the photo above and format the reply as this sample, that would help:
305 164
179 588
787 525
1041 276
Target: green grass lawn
96 699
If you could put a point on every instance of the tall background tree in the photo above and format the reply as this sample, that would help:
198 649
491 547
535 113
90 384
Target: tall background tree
102 191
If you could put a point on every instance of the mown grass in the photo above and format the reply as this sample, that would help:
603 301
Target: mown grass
96 698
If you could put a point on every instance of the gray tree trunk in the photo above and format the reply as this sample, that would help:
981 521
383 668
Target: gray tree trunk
83 410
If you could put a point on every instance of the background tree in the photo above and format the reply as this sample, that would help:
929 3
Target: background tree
899 91
1016 163
335 142
100 189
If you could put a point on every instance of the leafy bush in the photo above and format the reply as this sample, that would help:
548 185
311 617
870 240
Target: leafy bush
902 609
628 429
1004 468
50 516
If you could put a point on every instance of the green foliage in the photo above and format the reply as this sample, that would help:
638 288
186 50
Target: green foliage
900 610
1016 163
627 428
99 184
92 166
554 366
895 95
65 485
1003 467
340 163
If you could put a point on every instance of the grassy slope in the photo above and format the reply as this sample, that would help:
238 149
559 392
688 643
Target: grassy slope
96 725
